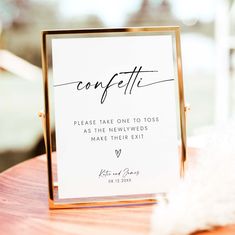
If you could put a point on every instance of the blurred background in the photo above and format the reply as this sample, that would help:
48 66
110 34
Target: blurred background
208 53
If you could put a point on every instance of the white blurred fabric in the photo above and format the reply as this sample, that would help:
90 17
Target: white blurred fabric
206 197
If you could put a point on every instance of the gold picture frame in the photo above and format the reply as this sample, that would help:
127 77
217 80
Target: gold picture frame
54 202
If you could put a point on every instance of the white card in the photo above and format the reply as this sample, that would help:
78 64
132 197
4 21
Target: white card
115 115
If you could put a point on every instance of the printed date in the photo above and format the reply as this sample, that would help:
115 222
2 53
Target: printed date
118 181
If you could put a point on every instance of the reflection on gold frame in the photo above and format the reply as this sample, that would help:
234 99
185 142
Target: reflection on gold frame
54 202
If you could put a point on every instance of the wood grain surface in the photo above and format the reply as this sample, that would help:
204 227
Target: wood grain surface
24 209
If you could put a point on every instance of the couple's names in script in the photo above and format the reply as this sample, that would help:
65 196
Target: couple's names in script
127 81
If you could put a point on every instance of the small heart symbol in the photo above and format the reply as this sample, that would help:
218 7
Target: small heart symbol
118 152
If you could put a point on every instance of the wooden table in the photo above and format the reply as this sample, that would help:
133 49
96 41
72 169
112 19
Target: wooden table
24 209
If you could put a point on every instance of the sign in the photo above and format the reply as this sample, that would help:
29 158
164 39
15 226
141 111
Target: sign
116 106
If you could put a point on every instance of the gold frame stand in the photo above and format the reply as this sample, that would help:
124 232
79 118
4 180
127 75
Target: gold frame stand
54 202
